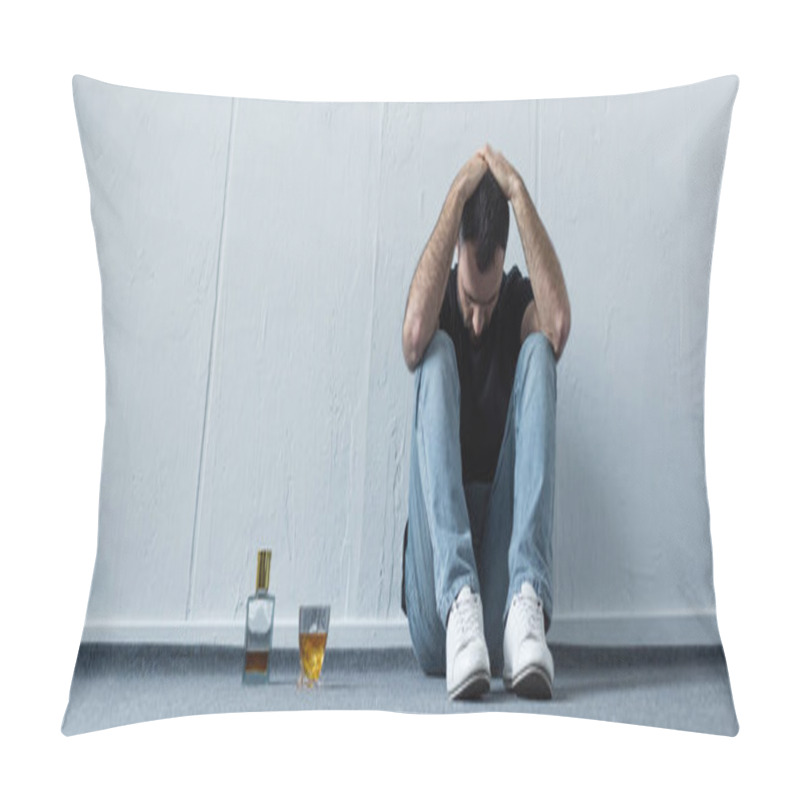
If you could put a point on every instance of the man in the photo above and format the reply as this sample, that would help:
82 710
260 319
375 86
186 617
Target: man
483 346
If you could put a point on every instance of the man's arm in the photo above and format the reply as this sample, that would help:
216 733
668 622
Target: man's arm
426 293
549 312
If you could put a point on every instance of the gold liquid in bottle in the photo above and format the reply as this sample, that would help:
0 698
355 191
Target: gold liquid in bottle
259 619
256 662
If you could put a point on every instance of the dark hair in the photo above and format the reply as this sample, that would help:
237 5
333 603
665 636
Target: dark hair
484 221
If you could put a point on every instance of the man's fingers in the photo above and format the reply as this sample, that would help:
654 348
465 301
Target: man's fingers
491 157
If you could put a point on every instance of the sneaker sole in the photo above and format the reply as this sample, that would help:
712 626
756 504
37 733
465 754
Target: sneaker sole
471 688
532 683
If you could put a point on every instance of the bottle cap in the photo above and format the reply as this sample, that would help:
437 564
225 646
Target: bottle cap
262 576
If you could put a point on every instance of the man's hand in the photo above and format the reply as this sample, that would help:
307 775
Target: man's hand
504 173
470 175
426 293
549 311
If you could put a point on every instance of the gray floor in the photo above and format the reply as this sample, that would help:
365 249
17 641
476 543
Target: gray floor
684 688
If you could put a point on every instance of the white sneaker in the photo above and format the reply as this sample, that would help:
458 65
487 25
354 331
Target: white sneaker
528 664
467 654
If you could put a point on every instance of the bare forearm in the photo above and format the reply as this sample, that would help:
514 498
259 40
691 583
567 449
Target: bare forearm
429 283
544 269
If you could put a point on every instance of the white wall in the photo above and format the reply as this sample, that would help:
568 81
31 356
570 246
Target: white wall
269 379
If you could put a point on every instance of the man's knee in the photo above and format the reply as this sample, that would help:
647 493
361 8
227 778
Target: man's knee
536 356
538 348
440 351
439 361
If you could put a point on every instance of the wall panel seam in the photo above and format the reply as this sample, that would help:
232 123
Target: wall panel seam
211 349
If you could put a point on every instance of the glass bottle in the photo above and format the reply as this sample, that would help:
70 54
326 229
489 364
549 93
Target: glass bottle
258 625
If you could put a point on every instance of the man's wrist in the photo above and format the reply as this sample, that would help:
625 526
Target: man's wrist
518 189
456 197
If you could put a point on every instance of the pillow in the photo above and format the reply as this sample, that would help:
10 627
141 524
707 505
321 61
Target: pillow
255 258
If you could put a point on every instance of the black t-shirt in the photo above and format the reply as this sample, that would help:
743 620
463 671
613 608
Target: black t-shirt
486 371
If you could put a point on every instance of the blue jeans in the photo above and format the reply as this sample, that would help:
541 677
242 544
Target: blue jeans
490 537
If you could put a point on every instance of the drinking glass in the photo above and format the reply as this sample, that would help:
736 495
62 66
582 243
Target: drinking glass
313 638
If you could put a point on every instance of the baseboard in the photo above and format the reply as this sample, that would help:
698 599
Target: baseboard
697 628
641 630
343 634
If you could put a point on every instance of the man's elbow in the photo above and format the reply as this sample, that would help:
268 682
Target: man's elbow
411 358
412 352
561 332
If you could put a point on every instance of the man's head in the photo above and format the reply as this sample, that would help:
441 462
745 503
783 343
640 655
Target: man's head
482 240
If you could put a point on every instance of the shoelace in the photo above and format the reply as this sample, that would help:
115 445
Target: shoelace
532 614
467 617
